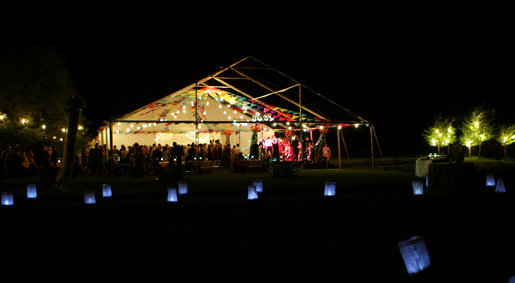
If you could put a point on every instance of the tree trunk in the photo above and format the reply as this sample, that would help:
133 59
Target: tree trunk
505 151
64 179
479 151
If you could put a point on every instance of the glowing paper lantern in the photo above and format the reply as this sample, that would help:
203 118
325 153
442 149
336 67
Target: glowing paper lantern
32 192
183 188
106 191
415 255
490 181
252 193
172 195
499 188
259 185
89 198
330 189
7 198
418 187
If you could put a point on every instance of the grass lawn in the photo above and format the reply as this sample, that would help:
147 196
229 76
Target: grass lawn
292 233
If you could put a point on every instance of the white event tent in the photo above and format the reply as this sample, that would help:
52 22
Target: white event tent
231 103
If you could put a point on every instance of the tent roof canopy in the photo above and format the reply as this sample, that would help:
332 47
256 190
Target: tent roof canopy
252 90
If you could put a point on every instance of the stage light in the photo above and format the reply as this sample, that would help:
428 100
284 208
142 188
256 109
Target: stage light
172 195
252 193
258 184
7 198
499 188
490 180
330 189
415 255
183 187
418 187
32 191
89 197
106 191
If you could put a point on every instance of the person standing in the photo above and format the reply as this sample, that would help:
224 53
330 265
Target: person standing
275 149
295 149
326 154
53 156
139 160
178 152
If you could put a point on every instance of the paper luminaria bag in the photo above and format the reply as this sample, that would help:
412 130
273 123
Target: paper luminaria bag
259 185
172 195
330 189
418 187
106 191
499 188
183 187
32 191
252 194
7 198
415 255
490 180
89 197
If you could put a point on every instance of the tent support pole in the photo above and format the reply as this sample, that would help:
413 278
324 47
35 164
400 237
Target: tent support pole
110 139
339 151
104 136
378 146
372 147
196 128
300 117
345 147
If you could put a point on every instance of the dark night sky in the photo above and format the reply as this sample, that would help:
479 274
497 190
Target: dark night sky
398 66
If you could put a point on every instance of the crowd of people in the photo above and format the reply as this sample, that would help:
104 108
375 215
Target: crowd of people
144 160
17 163
282 149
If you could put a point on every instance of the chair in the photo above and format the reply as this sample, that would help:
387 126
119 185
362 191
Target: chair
255 166
206 166
216 164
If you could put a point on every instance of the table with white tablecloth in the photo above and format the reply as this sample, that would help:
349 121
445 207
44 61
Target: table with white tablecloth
422 167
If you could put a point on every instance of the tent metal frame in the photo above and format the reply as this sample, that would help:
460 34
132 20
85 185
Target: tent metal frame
222 79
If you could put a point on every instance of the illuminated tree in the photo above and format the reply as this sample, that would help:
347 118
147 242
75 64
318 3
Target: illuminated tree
39 104
476 129
442 133
34 87
506 137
